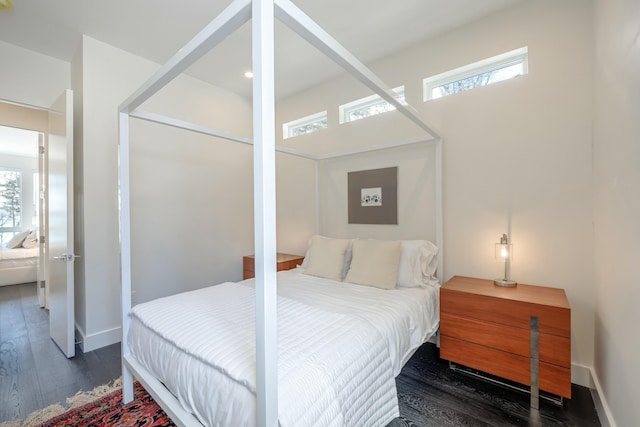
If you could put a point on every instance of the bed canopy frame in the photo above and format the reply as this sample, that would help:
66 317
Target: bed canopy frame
262 13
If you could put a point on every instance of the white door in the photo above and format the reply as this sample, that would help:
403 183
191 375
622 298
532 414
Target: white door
60 213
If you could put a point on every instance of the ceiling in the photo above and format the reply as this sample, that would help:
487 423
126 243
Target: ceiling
156 29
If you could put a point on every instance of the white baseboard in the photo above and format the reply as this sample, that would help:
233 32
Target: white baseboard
600 401
98 340
581 375
586 377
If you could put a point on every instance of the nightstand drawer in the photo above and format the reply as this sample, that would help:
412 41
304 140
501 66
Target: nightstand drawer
504 310
554 379
552 348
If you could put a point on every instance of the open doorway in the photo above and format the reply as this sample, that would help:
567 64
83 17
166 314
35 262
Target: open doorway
53 202
24 130
20 203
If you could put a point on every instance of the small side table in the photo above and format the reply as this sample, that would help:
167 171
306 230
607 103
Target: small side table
284 262
508 332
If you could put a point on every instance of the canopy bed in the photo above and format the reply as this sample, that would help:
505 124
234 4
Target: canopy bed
263 351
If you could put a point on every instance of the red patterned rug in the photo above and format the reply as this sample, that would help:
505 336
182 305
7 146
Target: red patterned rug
143 411
109 411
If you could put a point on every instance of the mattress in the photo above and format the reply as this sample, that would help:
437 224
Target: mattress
20 257
340 345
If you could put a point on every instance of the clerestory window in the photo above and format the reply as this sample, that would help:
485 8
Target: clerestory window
368 106
308 124
482 73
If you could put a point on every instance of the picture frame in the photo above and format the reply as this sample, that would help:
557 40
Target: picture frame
373 196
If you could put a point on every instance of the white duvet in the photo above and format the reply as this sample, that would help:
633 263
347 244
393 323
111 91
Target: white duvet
339 348
17 253
406 317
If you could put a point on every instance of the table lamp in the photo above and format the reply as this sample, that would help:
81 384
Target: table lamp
504 252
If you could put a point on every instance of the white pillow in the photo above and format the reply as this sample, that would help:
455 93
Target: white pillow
31 241
17 240
418 263
347 256
325 257
374 263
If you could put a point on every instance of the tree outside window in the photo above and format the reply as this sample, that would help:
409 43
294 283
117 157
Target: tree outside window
482 79
10 202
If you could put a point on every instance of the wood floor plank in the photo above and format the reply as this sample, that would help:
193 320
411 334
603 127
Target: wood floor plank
15 356
106 366
9 293
19 395
12 322
34 373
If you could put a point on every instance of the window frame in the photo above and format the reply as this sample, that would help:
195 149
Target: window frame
344 110
495 63
288 127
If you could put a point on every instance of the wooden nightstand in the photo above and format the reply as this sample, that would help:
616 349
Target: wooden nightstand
284 262
487 327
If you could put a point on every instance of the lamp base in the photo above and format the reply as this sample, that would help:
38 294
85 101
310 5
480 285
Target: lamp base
505 283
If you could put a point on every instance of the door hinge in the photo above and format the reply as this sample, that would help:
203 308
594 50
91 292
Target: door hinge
41 149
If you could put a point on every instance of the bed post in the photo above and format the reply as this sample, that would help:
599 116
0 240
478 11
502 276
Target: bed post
264 193
316 169
125 250
439 212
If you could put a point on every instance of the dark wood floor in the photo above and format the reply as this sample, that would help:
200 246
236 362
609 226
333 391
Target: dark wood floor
432 395
34 373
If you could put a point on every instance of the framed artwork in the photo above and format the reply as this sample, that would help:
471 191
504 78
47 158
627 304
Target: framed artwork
373 196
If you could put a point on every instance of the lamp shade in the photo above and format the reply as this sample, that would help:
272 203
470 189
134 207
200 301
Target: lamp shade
504 253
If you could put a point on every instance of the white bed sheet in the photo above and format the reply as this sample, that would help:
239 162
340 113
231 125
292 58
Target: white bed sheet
318 320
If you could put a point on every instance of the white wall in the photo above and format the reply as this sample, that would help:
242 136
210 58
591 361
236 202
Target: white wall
617 206
295 203
191 194
416 194
182 236
31 78
517 155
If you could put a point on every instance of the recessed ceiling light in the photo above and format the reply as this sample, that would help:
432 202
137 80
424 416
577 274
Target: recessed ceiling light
248 74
